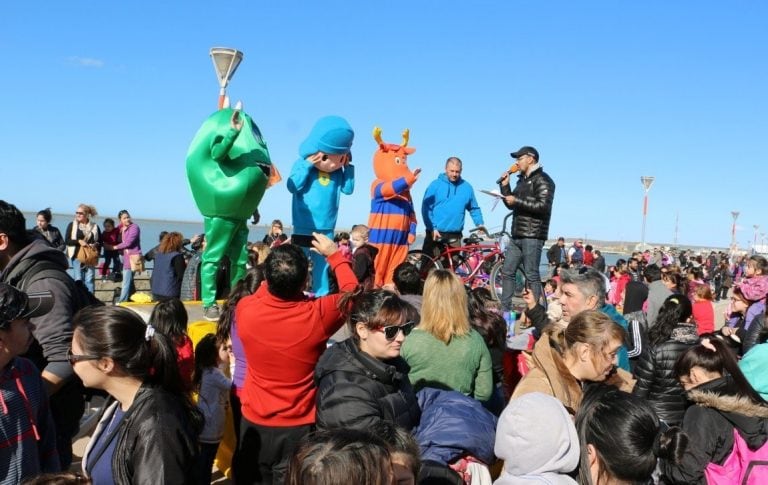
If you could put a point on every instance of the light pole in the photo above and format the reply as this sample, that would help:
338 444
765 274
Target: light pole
225 61
647 182
754 243
735 215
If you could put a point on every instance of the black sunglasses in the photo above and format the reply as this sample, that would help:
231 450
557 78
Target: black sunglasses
74 358
390 331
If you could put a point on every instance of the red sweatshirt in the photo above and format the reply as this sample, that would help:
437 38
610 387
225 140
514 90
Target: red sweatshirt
282 341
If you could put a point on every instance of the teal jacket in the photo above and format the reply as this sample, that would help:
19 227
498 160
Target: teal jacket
610 310
753 366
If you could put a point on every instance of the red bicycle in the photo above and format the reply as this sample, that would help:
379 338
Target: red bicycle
477 261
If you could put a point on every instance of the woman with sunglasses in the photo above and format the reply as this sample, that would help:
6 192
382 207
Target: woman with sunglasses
81 232
147 432
444 351
362 380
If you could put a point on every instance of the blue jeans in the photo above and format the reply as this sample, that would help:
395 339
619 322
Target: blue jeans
125 291
84 274
525 252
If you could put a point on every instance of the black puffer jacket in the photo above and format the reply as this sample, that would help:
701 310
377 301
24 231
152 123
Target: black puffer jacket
654 372
709 424
355 390
532 206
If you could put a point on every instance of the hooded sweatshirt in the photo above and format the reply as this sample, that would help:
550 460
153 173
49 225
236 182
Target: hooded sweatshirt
53 331
536 450
445 202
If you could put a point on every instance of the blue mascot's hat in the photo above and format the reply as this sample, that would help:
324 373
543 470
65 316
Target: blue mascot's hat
331 135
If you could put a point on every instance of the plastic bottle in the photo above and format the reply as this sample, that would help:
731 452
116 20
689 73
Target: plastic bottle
510 318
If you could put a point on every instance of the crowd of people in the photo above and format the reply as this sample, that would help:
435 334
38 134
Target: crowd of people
625 377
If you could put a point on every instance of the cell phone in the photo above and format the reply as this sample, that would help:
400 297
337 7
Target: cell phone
302 240
527 285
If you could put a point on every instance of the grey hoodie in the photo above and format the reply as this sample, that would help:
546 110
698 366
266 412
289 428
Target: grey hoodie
53 331
537 440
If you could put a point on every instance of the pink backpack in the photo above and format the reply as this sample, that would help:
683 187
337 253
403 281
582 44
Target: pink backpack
743 466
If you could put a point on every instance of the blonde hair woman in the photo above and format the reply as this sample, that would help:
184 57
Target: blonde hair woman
584 351
81 232
444 351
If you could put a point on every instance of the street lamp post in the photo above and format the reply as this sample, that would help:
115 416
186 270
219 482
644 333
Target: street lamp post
735 215
754 243
647 182
225 61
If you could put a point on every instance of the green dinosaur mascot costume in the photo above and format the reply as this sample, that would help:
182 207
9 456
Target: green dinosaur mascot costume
228 168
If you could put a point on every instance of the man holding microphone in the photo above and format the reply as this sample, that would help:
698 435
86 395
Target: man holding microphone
531 203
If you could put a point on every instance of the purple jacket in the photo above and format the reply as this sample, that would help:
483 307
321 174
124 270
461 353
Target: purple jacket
130 244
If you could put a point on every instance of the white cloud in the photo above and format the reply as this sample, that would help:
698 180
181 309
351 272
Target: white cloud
85 61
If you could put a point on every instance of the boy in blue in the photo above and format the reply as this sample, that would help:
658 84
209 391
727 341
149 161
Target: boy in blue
317 180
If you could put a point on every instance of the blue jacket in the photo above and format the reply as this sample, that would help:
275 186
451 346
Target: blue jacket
316 196
453 425
445 202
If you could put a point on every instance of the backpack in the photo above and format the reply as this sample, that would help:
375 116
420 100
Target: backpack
742 466
48 269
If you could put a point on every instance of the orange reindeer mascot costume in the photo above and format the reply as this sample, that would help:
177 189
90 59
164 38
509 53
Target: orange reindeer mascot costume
392 221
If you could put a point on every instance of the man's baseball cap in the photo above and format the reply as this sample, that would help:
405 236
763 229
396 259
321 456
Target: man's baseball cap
15 304
526 151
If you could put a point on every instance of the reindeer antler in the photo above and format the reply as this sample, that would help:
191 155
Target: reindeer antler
406 133
377 135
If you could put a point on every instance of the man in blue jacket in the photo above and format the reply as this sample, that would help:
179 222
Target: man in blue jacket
443 207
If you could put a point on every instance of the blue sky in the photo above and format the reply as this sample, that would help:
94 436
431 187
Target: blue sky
101 99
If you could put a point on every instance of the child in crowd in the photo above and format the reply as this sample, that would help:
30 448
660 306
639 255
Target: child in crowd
261 250
213 389
28 435
554 307
170 318
342 241
363 256
703 309
110 237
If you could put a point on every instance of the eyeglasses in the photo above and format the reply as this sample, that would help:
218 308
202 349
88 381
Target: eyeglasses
390 331
78 213
74 358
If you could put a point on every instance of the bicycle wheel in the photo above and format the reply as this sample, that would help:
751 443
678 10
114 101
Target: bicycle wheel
494 283
423 262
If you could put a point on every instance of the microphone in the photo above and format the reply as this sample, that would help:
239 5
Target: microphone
502 177
512 169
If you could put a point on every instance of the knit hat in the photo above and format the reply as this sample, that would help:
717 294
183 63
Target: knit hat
15 304
331 135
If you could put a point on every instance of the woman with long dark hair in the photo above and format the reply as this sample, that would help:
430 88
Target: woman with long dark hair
147 432
49 232
170 318
724 404
672 335
621 438
492 327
